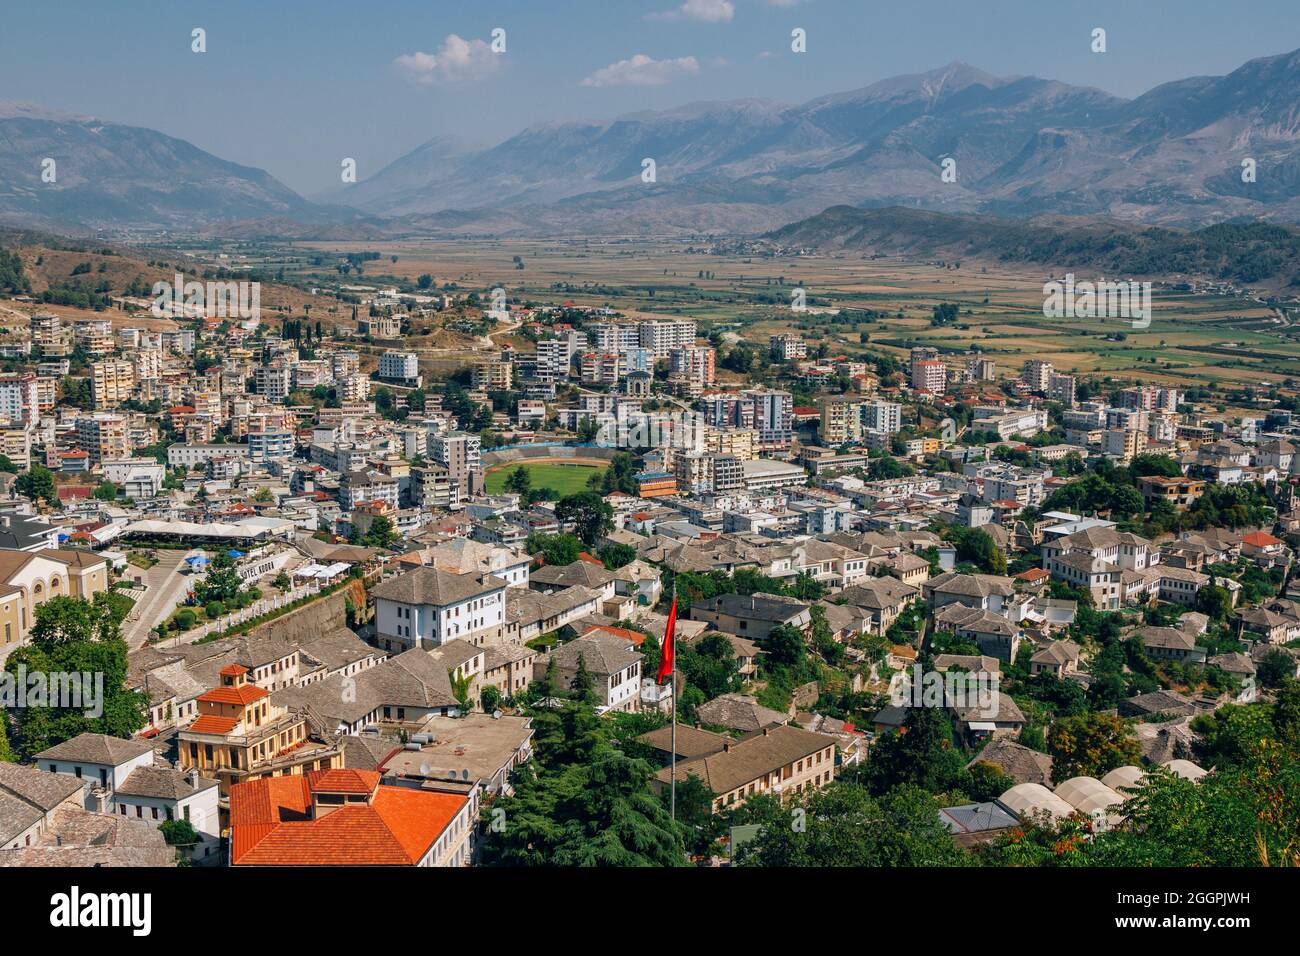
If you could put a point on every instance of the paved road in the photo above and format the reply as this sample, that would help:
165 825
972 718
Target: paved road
167 587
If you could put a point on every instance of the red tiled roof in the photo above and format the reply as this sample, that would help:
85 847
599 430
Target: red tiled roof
1260 539
270 825
636 637
1033 574
233 670
343 781
212 724
234 695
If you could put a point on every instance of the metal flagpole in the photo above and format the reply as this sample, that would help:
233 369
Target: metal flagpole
672 799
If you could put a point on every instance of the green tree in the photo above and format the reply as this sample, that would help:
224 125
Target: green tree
590 514
37 482
583 686
557 549
380 534
71 635
615 556
580 802
843 825
519 481
1090 745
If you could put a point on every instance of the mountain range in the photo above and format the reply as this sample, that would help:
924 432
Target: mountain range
1022 147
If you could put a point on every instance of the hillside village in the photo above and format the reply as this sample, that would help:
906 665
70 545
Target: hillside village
344 617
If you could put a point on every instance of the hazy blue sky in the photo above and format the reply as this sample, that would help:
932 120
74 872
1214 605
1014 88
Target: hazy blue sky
293 86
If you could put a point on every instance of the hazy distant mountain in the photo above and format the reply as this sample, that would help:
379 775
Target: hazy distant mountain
109 175
1022 145
1249 253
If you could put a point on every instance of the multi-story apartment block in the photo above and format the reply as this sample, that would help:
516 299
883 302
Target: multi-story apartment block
600 368
270 445
356 487
19 398
400 368
431 487
930 375
353 389
697 363
95 336
492 376
178 341
273 382
51 336
1037 375
739 443
380 326
661 337
461 455
768 412
1124 445
1060 388
103 436
615 336
982 369
787 347
112 381
343 364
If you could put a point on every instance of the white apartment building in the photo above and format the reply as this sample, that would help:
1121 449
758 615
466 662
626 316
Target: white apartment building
402 368
661 337
273 382
461 454
18 398
427 607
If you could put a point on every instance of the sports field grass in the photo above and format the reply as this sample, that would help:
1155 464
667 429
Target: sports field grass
566 478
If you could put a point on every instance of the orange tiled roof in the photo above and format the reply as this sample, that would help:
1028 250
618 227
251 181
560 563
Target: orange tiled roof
212 724
1260 539
342 780
636 637
269 825
233 670
234 695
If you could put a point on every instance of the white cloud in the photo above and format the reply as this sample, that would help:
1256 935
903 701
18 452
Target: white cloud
706 11
642 70
456 61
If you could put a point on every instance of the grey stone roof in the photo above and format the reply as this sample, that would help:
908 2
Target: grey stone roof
878 593
760 607
97 749
431 586
27 794
604 654
750 758
411 679
1021 763
739 712
336 648
77 837
582 573
162 783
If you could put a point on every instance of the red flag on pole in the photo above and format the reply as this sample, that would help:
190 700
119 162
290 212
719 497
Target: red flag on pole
669 648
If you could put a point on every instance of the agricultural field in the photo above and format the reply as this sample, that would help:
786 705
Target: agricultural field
565 477
1194 338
